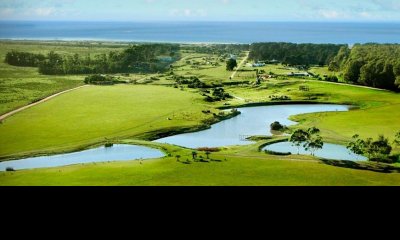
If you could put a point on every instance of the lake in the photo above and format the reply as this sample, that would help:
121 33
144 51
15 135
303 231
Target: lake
252 121
329 151
204 32
119 152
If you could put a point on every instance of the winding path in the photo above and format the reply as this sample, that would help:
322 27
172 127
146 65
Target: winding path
240 65
4 116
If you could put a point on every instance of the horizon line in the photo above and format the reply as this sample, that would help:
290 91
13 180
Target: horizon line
200 21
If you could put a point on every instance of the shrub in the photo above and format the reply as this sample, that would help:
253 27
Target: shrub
10 169
277 126
331 79
108 145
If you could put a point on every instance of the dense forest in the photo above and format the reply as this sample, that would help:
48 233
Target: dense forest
295 54
375 65
148 58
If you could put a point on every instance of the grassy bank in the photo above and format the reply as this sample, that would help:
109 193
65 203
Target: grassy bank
236 166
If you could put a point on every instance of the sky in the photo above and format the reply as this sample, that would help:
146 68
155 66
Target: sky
201 10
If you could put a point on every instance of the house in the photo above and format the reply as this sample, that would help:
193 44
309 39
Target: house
266 77
258 64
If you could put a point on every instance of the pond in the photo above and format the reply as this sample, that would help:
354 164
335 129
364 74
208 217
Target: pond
329 151
253 121
119 152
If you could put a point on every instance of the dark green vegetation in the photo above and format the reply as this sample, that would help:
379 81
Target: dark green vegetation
146 58
374 65
24 59
100 80
295 54
231 64
277 126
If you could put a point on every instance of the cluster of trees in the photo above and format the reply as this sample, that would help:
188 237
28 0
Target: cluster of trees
24 59
295 54
146 58
309 139
219 94
374 65
192 82
377 150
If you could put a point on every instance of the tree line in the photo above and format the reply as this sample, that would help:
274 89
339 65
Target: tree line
295 54
219 49
374 65
147 58
24 59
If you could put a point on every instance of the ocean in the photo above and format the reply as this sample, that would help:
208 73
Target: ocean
204 32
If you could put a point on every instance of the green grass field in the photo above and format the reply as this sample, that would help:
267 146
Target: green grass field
127 112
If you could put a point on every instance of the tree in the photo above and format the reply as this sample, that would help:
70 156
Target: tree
397 82
352 72
194 155
357 146
313 141
381 148
397 139
313 144
208 154
178 157
298 138
313 131
231 64
377 150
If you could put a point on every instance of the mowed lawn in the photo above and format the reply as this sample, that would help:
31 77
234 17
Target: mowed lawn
89 115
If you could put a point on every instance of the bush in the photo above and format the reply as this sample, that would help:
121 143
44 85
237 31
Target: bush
331 79
108 145
10 169
277 126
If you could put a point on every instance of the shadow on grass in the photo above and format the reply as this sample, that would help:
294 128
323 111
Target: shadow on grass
375 167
